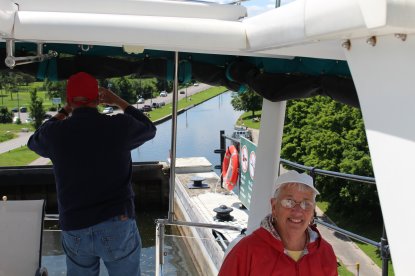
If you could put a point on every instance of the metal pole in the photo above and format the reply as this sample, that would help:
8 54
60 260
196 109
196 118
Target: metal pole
159 248
173 139
18 105
222 154
384 251
200 224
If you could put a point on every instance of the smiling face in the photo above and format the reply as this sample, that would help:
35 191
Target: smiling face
292 222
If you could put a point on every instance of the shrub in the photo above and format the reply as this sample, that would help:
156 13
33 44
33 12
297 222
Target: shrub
6 116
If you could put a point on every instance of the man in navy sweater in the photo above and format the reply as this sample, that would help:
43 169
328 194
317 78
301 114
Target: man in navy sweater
92 164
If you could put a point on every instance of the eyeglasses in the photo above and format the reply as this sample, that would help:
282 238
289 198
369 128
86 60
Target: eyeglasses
289 203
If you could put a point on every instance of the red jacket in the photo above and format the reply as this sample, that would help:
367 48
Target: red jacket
261 254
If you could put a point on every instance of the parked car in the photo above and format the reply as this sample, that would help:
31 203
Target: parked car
15 109
181 92
140 101
163 94
29 120
162 104
23 109
196 84
108 110
146 108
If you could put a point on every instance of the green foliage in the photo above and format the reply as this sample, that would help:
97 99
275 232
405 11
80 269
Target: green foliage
145 89
322 133
123 88
55 89
6 116
248 101
163 85
37 113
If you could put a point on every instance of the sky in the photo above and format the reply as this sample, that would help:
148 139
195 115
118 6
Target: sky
256 7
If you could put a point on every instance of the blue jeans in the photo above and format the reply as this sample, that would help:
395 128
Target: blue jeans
116 241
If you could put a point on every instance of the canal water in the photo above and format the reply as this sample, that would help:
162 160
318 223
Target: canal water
197 132
197 136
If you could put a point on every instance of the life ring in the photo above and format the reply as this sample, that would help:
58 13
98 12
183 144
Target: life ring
230 167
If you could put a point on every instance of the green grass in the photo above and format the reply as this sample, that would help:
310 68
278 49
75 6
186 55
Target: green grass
166 110
14 127
246 119
22 98
369 230
345 271
18 157
9 131
4 136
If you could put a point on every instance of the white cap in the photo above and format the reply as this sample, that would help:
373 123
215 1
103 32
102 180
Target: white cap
295 177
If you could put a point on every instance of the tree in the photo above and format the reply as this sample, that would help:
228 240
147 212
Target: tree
26 78
6 116
322 133
55 89
248 101
37 113
164 85
124 90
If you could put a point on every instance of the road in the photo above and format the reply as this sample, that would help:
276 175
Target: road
188 92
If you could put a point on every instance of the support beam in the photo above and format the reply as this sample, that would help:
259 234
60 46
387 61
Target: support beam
385 80
267 161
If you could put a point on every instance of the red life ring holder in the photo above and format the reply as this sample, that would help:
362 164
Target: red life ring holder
230 167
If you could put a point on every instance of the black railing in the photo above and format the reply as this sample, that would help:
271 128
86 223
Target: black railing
382 246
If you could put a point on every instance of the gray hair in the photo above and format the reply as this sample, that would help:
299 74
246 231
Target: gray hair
300 187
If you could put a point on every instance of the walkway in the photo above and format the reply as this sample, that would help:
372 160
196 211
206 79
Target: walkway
20 142
345 249
15 143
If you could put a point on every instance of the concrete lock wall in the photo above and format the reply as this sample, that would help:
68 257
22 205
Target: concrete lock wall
150 184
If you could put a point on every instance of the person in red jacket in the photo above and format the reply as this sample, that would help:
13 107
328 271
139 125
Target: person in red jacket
286 243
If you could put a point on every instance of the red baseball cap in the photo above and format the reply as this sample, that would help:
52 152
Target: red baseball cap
81 88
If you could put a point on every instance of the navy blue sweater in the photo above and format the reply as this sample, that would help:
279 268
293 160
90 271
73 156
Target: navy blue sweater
92 162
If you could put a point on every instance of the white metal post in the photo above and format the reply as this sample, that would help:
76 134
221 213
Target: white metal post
383 73
267 161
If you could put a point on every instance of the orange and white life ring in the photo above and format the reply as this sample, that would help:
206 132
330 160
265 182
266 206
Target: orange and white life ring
230 168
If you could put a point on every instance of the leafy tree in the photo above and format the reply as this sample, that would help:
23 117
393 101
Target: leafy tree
55 89
248 101
26 78
37 113
322 133
148 90
6 116
124 89
164 85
